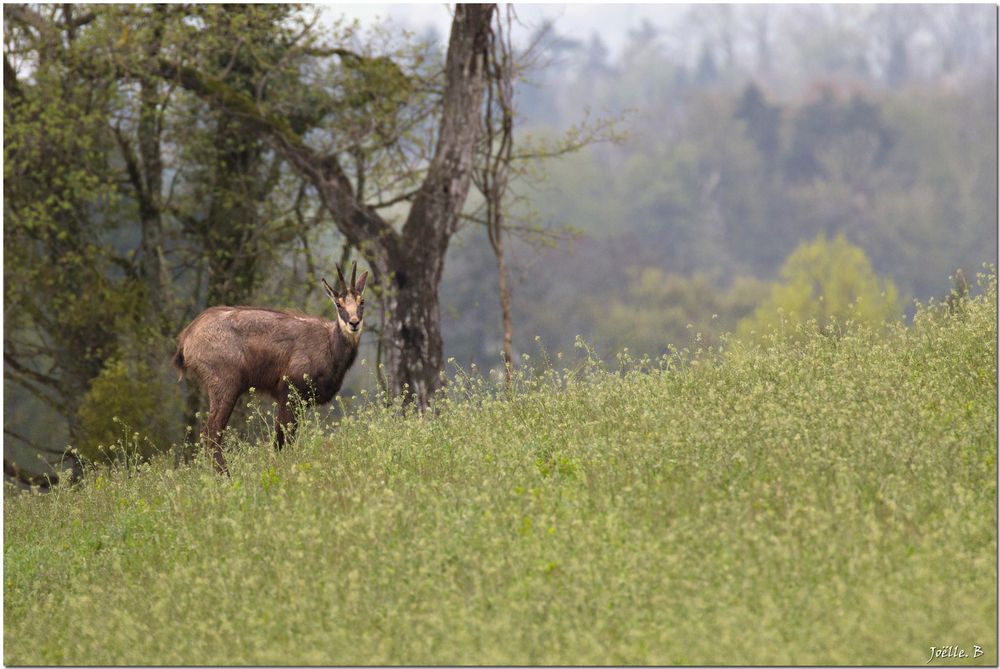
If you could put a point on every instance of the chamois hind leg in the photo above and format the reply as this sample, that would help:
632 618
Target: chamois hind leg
220 409
284 422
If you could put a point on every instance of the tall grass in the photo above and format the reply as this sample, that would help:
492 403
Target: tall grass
826 500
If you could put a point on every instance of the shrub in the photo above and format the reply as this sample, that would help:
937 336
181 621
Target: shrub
128 413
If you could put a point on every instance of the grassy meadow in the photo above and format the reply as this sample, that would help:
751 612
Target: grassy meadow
825 500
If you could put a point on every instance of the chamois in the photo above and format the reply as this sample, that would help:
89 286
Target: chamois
229 350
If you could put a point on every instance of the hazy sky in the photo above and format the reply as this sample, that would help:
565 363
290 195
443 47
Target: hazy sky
610 21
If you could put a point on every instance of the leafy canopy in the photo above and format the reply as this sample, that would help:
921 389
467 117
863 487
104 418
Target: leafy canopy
826 281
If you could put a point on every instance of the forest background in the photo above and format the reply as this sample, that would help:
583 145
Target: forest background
745 160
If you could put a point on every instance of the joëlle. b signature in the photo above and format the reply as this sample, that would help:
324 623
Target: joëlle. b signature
949 652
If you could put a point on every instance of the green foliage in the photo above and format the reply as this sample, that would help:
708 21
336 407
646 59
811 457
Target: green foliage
658 310
65 293
827 129
828 282
127 414
763 122
131 203
733 180
832 501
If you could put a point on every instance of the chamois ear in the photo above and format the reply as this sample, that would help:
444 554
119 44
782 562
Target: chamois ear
329 291
360 287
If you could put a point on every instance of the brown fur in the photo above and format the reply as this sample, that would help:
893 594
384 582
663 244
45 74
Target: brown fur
229 350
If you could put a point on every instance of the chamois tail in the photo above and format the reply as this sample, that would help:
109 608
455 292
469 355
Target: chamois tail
179 361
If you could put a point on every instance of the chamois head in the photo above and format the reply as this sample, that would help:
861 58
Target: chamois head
349 302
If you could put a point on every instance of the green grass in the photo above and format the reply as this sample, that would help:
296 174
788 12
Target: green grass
828 501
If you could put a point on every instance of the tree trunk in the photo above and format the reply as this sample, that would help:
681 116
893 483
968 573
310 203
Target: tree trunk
414 352
233 217
494 177
418 358
149 188
505 312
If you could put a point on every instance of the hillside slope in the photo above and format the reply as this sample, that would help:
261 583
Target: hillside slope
828 501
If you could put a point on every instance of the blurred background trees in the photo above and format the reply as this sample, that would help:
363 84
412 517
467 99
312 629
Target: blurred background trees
764 143
830 282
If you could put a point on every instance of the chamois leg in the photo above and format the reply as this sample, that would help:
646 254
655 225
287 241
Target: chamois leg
220 409
284 422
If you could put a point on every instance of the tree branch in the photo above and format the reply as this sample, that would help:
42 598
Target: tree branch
362 225
20 437
131 163
36 392
27 372
16 474
324 52
10 85
396 200
26 16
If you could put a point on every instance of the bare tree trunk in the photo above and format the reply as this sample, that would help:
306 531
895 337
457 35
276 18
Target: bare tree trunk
414 353
433 217
492 179
505 313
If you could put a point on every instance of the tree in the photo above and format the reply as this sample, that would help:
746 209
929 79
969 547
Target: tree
406 264
664 309
492 175
826 281
230 176
826 125
69 290
121 183
763 122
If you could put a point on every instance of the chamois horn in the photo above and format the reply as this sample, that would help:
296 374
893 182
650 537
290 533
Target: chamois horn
343 283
